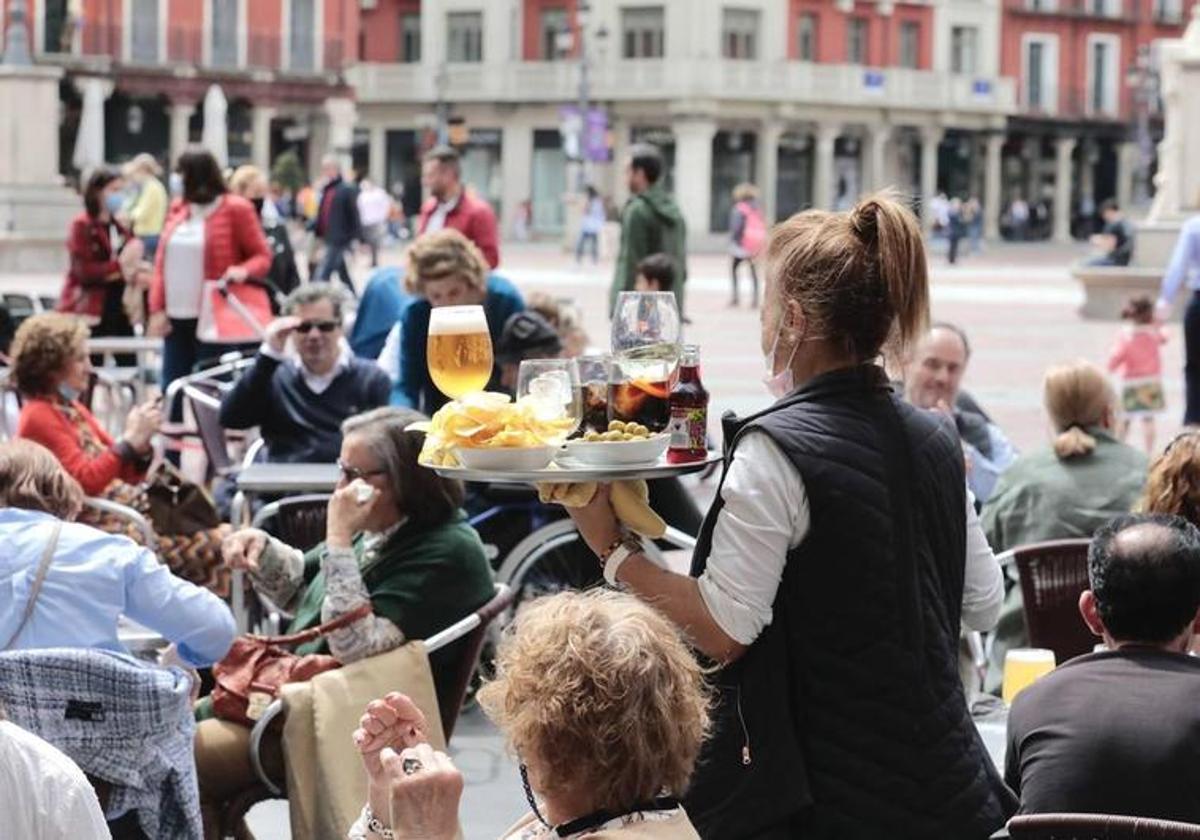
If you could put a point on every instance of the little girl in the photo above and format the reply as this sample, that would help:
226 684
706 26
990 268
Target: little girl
1137 358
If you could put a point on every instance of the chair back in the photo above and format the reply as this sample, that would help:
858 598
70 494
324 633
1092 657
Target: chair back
1097 827
465 640
298 521
1053 574
205 401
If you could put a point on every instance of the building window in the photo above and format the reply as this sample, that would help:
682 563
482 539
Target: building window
1035 80
1105 8
1039 56
301 55
1168 11
554 24
964 50
806 37
1102 74
910 44
225 19
410 38
856 40
143 35
464 37
642 32
1042 5
739 34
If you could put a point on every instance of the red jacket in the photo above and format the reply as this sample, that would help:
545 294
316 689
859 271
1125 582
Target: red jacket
233 238
42 422
93 266
473 218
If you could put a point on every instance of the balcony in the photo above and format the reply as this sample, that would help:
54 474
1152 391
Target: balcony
1122 11
657 80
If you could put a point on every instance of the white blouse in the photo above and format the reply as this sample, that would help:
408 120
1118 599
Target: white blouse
183 263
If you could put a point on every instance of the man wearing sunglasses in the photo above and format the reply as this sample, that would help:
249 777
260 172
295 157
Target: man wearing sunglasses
305 381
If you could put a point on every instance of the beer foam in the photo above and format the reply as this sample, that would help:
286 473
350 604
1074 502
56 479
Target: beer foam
1029 655
458 320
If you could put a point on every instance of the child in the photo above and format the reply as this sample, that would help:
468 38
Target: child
1137 358
656 273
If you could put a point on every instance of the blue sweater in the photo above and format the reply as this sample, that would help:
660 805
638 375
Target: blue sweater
415 388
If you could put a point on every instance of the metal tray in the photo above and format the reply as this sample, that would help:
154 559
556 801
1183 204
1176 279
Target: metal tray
565 471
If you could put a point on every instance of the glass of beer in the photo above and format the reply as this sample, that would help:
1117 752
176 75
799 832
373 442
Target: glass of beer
459 352
1022 668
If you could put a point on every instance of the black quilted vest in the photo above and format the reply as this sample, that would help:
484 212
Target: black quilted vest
846 717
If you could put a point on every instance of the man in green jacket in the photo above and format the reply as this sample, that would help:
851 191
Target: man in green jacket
650 224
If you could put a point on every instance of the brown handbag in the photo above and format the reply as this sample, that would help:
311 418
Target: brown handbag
256 667
176 505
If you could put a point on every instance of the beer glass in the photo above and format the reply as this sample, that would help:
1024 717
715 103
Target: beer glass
553 387
459 352
645 345
1023 667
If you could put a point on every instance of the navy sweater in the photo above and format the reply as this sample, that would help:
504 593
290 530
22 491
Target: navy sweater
298 425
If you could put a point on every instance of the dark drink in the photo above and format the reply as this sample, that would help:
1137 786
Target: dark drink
595 408
640 401
688 411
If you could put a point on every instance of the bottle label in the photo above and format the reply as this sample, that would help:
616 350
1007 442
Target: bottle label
688 428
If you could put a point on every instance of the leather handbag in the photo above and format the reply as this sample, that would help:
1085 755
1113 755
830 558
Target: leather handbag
176 505
233 313
256 667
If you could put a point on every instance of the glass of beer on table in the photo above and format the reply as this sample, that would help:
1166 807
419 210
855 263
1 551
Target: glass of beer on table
645 345
459 352
1022 668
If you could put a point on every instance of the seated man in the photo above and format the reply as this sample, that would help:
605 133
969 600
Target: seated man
300 401
1115 240
1118 732
526 335
932 379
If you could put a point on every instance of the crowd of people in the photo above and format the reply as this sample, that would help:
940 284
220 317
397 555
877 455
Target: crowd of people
802 680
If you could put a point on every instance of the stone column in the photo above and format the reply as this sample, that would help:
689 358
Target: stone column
931 139
993 186
180 114
876 149
768 167
693 173
260 136
516 168
1033 170
1064 147
1127 164
342 114
823 167
89 141
378 156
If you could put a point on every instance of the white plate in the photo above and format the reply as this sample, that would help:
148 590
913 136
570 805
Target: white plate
507 458
617 453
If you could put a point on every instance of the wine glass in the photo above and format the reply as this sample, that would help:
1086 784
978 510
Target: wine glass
552 385
645 345
459 351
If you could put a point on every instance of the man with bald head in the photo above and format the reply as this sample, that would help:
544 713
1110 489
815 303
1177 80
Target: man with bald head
933 380
1118 732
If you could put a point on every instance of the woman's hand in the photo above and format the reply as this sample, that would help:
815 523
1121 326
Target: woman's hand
347 515
159 325
141 424
242 549
236 274
596 521
424 798
393 721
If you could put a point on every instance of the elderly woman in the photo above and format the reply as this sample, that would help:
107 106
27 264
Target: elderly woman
1079 482
446 269
51 370
602 700
406 549
91 579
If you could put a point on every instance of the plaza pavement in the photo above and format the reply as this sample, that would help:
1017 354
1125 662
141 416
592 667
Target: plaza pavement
1017 303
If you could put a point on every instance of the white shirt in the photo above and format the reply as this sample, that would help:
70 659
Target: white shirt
183 263
374 205
766 514
43 794
317 383
389 356
437 219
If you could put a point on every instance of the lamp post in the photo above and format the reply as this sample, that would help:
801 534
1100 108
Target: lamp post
16 38
1142 80
442 108
582 17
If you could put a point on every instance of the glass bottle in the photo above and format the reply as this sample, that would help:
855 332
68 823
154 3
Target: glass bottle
689 411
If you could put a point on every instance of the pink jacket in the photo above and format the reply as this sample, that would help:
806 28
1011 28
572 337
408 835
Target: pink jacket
1137 354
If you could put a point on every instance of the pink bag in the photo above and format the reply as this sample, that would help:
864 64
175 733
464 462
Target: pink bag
232 313
754 234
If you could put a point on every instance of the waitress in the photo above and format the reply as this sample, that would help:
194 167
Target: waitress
834 569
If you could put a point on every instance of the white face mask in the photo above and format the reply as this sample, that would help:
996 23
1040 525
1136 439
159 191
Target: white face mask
780 384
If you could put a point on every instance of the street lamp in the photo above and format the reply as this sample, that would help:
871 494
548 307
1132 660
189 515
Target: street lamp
1142 79
583 15
442 107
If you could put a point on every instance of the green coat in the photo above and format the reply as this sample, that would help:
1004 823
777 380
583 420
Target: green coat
422 580
650 224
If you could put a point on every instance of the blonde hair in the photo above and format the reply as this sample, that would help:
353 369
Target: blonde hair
444 255
1173 485
243 177
859 277
31 478
143 163
601 694
745 192
1076 396
41 349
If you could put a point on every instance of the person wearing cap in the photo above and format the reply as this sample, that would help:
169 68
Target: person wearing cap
526 335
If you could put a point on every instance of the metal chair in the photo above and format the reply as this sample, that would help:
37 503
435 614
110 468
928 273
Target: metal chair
298 521
1097 827
145 529
1052 575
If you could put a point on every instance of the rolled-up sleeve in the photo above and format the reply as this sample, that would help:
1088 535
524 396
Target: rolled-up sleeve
983 583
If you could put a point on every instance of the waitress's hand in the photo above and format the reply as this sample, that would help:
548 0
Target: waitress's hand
159 325
597 521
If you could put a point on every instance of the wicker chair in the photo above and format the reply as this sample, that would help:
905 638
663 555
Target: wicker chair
1053 574
1097 827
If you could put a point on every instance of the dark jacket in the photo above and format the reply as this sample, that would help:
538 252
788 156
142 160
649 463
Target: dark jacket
283 276
846 718
341 225
650 224
93 269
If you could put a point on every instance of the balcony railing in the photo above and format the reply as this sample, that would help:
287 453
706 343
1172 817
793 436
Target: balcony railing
1075 103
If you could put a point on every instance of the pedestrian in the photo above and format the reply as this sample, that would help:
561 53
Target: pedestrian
650 224
1185 268
590 226
973 214
1115 241
747 232
146 211
337 223
452 205
250 183
1137 358
955 227
374 210
1018 217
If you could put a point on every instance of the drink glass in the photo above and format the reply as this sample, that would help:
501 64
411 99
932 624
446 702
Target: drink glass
459 352
645 345
1023 667
552 385
594 372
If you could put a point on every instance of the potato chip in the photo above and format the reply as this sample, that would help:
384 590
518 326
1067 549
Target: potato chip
488 420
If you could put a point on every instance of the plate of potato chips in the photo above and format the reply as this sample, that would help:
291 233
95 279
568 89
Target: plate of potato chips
623 444
488 431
